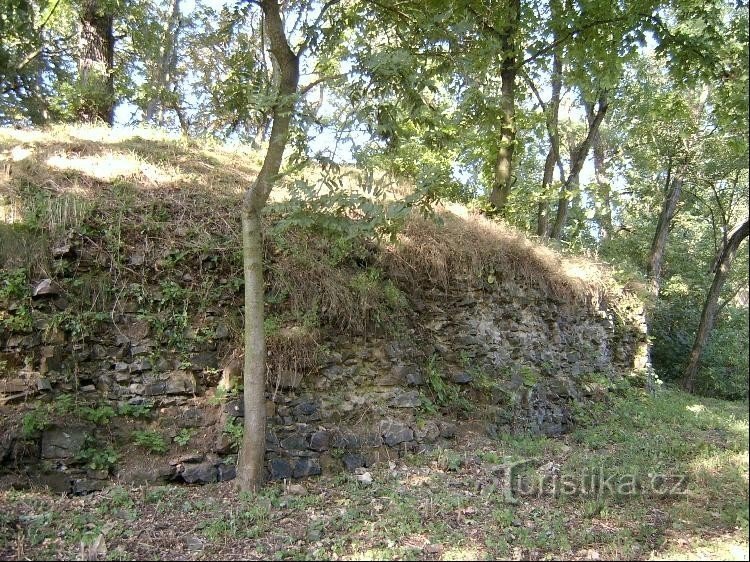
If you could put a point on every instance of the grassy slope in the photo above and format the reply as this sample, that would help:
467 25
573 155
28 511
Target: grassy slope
177 199
445 505
173 204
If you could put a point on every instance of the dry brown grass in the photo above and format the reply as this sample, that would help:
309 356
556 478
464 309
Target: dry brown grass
305 272
159 195
155 194
293 352
77 167
464 249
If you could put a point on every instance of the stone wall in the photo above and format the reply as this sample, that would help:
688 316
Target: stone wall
507 357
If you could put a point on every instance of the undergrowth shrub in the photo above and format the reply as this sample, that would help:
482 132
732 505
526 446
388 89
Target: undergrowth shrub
14 290
234 430
150 440
95 457
724 364
444 394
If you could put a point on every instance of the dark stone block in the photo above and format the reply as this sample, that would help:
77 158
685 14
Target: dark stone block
45 287
147 475
57 482
395 432
462 377
370 439
222 332
410 399
192 417
306 467
226 472
414 378
294 442
204 360
319 441
235 408
155 388
271 439
306 411
62 443
140 365
85 486
181 382
353 462
428 432
203 473
279 469
346 441
447 430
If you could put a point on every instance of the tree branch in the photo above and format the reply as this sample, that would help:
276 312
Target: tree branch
49 15
550 133
308 39
305 89
570 35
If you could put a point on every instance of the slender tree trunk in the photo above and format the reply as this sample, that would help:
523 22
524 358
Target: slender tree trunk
603 200
563 204
250 465
542 215
165 68
553 156
708 316
578 158
659 243
181 118
508 71
251 460
96 59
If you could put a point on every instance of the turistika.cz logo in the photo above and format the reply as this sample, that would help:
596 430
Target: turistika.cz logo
549 480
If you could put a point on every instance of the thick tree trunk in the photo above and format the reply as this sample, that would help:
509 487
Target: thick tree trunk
250 465
659 243
708 316
96 59
577 159
504 165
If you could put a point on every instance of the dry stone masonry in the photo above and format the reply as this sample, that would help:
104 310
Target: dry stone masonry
508 357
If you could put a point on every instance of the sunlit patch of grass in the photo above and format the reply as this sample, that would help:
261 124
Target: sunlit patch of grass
703 440
721 468
464 553
731 546
108 166
387 553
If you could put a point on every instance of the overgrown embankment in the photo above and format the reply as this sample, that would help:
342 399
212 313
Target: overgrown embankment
408 368
121 308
